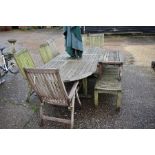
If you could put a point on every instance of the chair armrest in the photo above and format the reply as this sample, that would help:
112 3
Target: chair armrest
73 90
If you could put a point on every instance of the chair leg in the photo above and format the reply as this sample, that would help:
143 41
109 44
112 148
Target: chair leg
77 96
119 99
84 82
96 98
41 115
30 92
72 112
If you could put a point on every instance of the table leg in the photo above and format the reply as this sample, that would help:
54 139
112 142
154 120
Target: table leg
84 83
96 98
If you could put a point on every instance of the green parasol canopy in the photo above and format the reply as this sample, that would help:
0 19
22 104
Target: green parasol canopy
73 41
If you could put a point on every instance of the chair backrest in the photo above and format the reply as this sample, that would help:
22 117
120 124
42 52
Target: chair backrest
23 60
111 72
45 52
48 85
53 47
93 40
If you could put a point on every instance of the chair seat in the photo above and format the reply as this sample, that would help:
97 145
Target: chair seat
56 102
108 84
109 80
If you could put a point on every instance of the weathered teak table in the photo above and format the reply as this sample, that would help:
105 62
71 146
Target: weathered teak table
76 69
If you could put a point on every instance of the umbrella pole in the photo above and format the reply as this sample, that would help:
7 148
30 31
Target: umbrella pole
76 54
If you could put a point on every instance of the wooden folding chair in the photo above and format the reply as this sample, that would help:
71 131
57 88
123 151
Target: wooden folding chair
45 53
49 87
24 59
109 83
93 40
51 43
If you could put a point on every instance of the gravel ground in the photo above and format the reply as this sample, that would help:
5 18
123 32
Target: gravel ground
138 82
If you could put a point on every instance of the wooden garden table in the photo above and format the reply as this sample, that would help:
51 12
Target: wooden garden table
75 69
